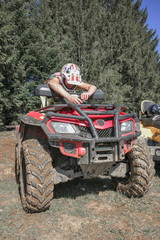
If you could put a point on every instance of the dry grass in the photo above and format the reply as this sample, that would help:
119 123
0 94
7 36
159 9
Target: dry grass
88 209
82 210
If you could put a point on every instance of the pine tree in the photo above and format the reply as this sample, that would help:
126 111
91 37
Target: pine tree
130 55
138 57
7 60
15 92
108 39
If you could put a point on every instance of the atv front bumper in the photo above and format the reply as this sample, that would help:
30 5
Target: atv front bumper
92 149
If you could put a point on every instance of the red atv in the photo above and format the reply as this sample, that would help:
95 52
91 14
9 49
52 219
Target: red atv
65 141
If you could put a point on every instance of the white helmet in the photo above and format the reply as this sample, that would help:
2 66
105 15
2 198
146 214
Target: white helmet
72 73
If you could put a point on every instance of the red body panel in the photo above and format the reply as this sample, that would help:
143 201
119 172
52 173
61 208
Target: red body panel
79 149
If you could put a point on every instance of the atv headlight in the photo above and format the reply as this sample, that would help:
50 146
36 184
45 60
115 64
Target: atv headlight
60 127
126 127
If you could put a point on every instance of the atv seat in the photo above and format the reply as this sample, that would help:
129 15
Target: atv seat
150 108
146 107
46 91
151 113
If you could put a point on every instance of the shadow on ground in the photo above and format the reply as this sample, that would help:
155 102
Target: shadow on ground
80 187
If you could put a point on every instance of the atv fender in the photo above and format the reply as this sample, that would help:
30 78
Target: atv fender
146 132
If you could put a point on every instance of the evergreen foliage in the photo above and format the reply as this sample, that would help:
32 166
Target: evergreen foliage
108 39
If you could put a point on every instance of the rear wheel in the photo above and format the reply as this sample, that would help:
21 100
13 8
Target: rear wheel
36 175
141 175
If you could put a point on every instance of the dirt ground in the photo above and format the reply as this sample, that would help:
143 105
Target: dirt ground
81 209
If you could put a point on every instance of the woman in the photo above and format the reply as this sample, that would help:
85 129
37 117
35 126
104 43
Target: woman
69 80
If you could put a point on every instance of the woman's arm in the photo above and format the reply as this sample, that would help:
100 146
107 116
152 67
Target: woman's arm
54 83
90 90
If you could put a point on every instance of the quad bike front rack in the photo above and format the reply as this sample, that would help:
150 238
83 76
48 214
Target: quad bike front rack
113 110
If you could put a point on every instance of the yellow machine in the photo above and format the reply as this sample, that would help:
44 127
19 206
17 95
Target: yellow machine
150 126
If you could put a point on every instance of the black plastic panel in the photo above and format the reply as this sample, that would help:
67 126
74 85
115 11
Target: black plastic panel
45 90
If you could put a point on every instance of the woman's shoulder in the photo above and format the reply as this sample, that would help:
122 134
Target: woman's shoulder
57 75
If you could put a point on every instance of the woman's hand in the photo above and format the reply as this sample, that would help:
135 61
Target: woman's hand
85 96
74 99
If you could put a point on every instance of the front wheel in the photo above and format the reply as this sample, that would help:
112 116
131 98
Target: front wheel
141 175
36 175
